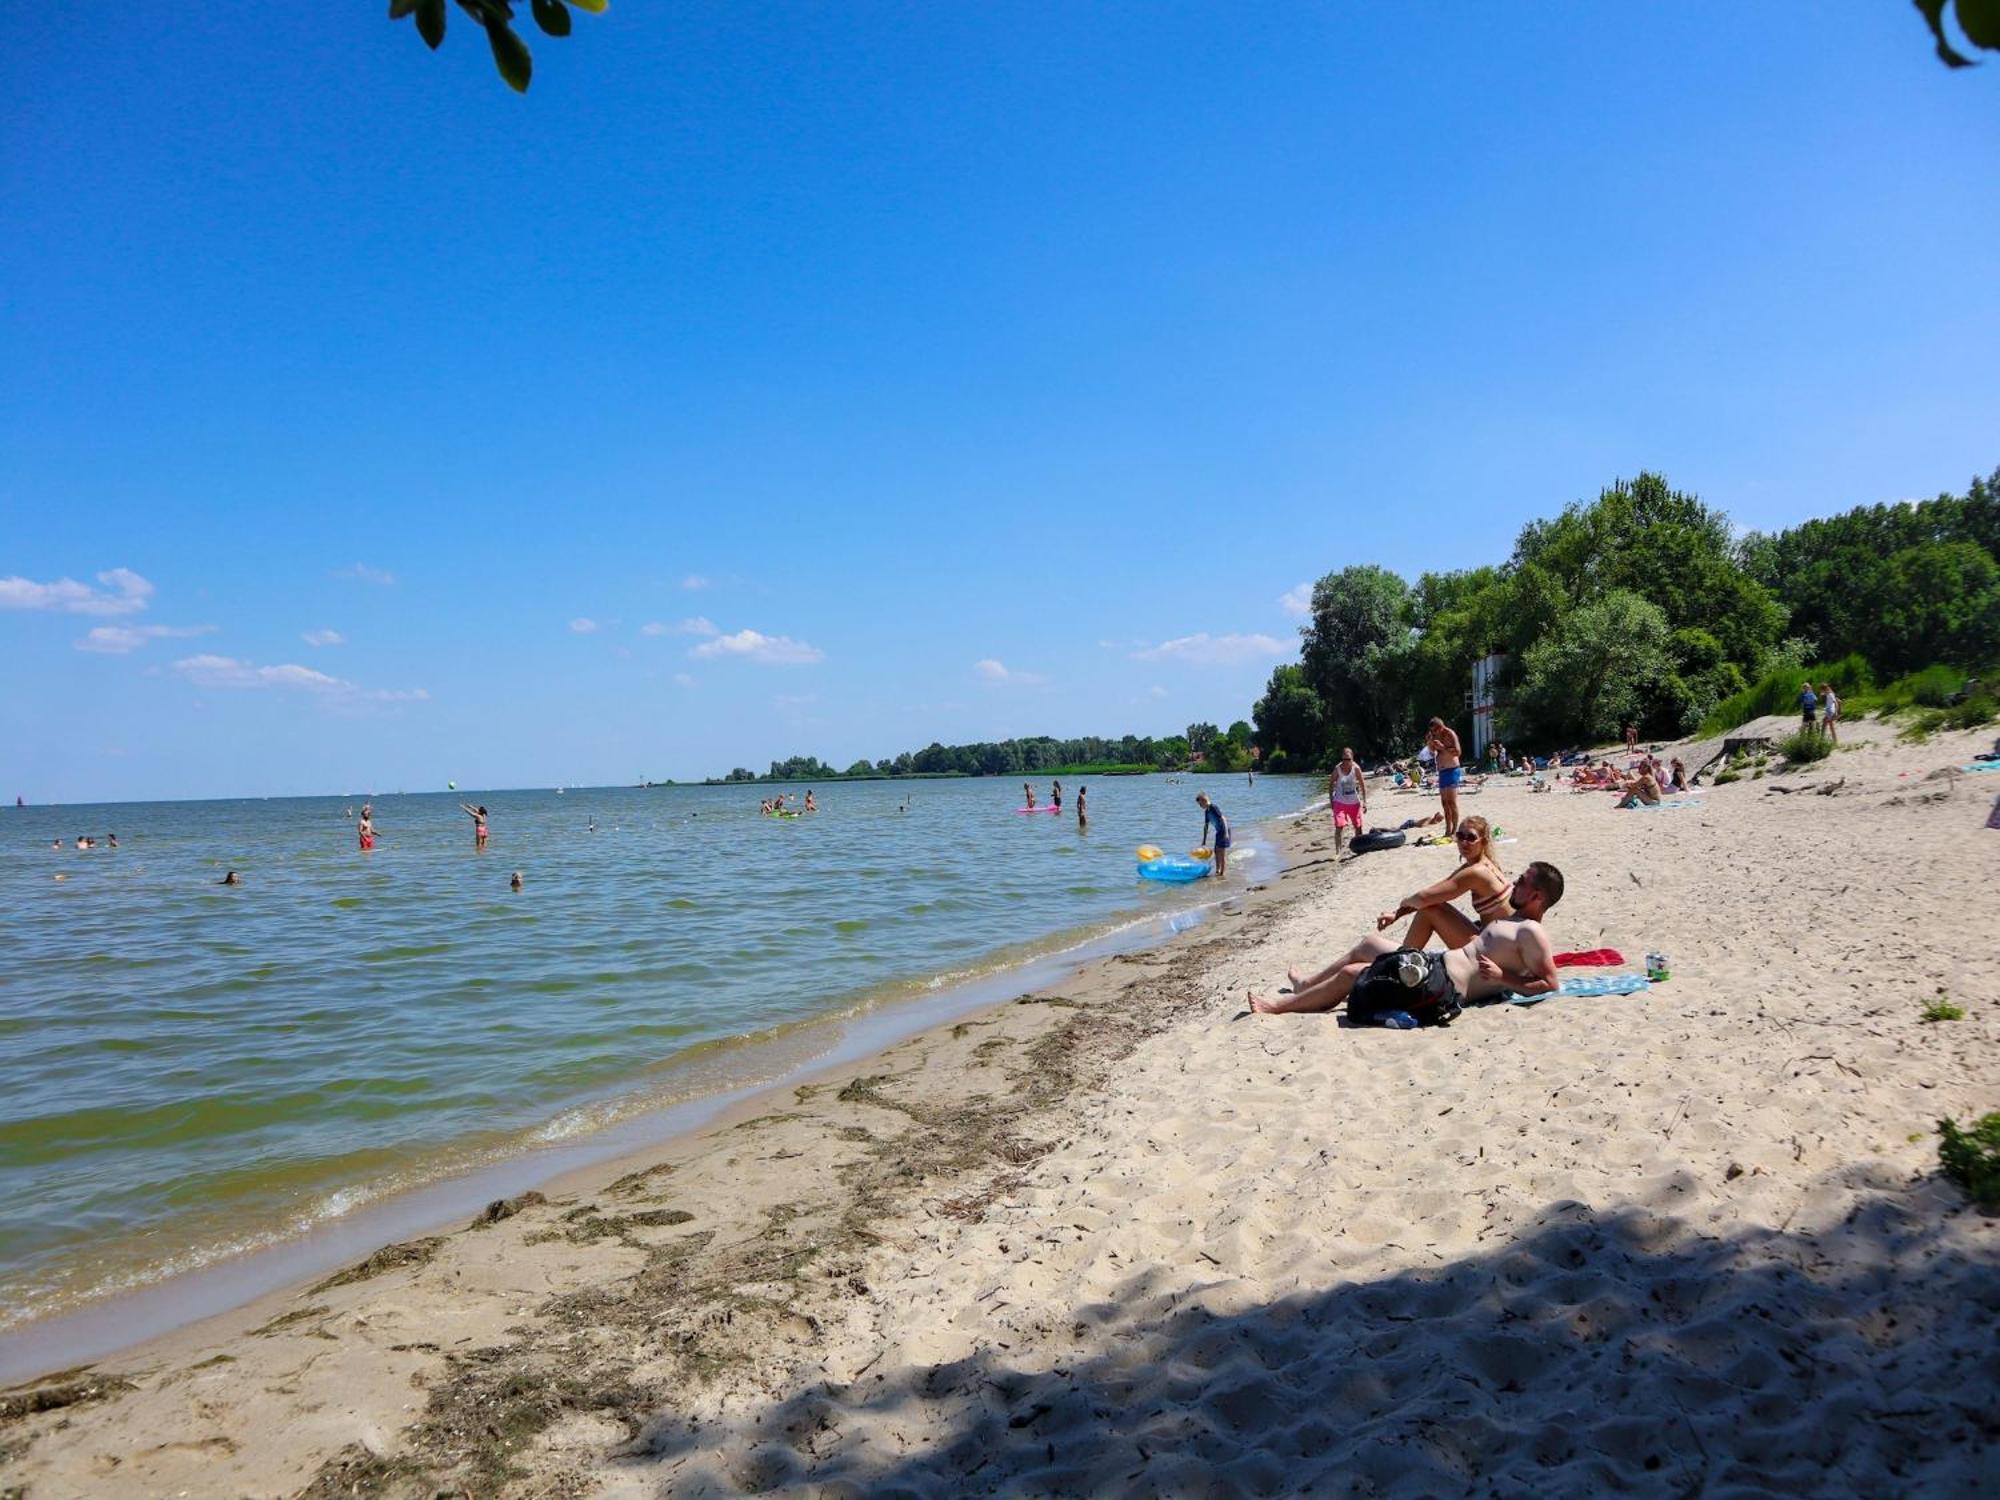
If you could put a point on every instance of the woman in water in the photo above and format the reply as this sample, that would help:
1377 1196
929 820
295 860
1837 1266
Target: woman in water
1055 795
1028 792
478 816
1082 817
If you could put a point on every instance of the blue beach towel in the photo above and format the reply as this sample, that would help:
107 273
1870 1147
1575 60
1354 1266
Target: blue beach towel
1593 984
1992 766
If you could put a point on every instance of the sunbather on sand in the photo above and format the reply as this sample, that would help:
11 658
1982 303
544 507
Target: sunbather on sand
1478 875
1512 953
1641 788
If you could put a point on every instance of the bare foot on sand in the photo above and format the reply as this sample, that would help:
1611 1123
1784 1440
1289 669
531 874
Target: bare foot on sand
1264 1005
1296 976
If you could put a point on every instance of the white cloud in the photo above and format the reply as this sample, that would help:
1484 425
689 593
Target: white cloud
698 625
124 593
1156 691
324 638
116 640
228 672
362 573
994 671
752 645
794 700
582 625
1214 650
1297 601
694 581
683 679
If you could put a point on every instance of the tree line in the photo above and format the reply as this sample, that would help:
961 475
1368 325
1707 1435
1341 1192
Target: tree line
1640 607
1217 749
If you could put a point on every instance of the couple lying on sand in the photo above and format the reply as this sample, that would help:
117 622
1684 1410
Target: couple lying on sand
1501 948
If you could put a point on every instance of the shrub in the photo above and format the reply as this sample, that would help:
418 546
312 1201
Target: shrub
1974 711
1942 1009
1927 689
1805 746
1777 692
1971 1158
1723 778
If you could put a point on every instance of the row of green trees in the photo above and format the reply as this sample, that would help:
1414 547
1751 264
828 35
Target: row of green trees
1642 607
1219 749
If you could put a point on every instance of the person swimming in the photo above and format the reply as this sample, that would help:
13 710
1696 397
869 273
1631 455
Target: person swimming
232 878
515 883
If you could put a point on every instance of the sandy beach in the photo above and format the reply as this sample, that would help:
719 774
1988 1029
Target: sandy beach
1123 1236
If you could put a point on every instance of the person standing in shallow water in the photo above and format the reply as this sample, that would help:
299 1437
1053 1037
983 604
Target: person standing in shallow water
1028 792
478 816
1213 821
1082 817
365 829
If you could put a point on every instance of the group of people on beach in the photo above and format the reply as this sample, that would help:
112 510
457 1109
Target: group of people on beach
1500 946
1820 712
1496 947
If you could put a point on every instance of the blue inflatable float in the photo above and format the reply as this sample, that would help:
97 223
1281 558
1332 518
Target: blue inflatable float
1175 869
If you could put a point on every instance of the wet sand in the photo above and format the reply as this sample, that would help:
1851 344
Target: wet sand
1121 1235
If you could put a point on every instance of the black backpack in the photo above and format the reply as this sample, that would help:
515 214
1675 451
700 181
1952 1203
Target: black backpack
1433 999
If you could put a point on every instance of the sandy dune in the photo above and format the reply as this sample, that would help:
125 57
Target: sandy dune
1131 1239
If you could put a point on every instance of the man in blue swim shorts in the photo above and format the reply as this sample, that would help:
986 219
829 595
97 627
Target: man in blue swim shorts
1443 743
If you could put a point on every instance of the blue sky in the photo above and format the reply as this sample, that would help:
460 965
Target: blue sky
914 371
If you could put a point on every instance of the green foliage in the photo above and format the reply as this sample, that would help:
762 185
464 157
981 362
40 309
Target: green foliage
1934 687
1356 654
1971 1158
1037 756
1805 746
1977 709
1289 719
1591 674
510 53
1777 692
1978 19
1941 1009
1723 778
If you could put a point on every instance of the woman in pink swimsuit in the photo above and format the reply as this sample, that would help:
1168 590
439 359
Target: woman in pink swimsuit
478 816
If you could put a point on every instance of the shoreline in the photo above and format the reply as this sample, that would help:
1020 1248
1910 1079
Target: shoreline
107 1326
1120 1234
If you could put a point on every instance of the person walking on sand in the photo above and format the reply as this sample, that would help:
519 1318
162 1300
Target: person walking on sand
1443 742
478 816
1631 738
1829 712
1808 708
1212 820
1511 953
1347 796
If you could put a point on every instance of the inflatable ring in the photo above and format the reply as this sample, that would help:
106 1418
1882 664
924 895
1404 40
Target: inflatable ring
1148 851
1368 843
1173 869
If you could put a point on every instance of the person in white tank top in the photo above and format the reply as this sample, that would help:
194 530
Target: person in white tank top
1347 796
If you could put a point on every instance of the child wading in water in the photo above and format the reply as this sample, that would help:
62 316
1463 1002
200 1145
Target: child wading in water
1212 819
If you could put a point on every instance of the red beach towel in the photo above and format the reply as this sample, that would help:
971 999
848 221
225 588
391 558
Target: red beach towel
1590 958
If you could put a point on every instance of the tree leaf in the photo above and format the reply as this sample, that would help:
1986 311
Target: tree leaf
510 55
1933 11
401 8
1980 21
430 22
552 16
595 7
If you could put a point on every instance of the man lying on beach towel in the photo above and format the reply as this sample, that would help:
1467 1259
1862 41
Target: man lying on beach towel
1512 953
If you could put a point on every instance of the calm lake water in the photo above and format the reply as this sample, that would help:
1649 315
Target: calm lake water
189 1071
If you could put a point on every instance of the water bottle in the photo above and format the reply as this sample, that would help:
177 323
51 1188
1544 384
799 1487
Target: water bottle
1656 967
1397 1020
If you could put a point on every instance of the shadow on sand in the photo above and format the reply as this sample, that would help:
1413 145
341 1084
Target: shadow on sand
1601 1351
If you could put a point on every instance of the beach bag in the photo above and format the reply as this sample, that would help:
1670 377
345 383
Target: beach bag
1406 980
